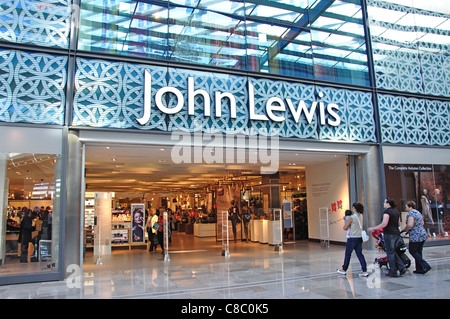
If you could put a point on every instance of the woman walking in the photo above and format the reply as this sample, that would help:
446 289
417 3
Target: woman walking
354 240
417 237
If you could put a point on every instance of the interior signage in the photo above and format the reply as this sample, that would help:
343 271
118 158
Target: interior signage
275 107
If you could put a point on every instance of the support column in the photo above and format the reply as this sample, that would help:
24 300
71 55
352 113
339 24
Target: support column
102 228
374 188
4 187
73 218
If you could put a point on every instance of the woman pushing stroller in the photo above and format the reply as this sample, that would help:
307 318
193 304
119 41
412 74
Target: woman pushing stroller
390 226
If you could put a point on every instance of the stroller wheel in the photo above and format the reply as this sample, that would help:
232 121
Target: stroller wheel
377 263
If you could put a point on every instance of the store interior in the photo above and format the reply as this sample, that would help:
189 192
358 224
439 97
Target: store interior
194 194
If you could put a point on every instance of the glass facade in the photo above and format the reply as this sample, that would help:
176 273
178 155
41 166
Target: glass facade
32 213
61 67
311 39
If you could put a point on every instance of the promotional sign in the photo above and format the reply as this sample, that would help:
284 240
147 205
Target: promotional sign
287 213
137 223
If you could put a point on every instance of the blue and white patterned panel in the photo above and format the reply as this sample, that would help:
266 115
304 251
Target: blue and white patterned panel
111 94
414 121
32 87
439 122
356 112
211 83
263 90
297 92
391 119
38 22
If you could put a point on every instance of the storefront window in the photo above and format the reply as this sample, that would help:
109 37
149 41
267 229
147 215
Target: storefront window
30 222
428 187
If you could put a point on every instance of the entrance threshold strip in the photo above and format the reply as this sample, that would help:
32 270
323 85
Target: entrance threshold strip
185 251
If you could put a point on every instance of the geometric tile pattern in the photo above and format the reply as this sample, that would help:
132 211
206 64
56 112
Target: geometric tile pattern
39 22
32 87
417 60
407 120
110 94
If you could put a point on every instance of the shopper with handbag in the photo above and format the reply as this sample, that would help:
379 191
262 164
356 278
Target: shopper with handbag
417 237
354 240
234 217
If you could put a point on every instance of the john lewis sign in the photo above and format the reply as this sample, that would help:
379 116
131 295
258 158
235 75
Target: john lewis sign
275 107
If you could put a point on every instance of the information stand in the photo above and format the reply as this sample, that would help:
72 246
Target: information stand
324 227
166 236
278 230
225 241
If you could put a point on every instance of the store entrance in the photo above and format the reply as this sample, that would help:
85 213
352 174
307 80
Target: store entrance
131 183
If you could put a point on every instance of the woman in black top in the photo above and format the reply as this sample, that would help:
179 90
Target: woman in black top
390 226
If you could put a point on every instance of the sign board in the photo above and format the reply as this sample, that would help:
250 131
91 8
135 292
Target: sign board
45 249
287 213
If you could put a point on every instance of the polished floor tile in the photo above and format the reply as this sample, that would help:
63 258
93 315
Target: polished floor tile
304 270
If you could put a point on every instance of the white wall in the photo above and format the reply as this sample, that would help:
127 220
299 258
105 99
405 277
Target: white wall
327 183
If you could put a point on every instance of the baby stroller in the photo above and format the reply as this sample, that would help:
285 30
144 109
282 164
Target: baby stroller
400 249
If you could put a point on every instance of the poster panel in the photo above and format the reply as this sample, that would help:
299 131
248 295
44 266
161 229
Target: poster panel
287 213
137 223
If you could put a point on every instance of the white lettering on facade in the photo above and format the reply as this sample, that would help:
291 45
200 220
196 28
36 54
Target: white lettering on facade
275 107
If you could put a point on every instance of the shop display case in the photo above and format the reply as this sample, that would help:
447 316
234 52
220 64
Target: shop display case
205 229
120 228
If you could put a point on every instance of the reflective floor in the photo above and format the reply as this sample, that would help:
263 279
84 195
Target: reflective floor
197 269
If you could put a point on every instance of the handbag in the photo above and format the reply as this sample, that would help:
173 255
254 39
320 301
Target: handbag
156 226
364 235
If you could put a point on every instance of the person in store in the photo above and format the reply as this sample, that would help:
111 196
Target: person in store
153 219
49 223
246 217
390 225
11 223
159 231
45 232
26 229
354 239
234 217
417 237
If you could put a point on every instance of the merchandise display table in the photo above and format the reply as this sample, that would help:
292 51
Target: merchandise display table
259 231
205 230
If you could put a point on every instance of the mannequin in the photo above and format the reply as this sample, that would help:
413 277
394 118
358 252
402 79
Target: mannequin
439 211
426 209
